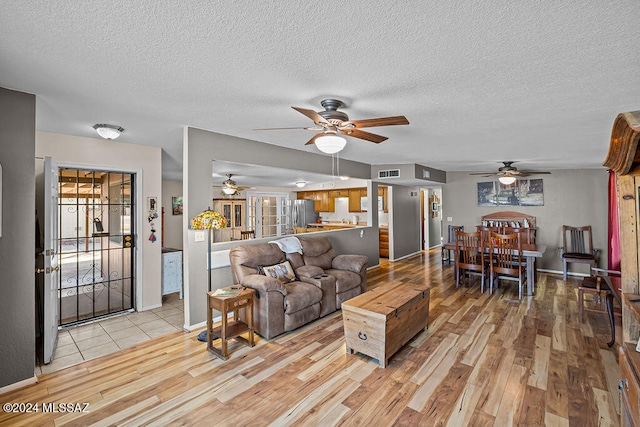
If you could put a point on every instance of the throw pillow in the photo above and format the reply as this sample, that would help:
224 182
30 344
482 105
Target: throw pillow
283 272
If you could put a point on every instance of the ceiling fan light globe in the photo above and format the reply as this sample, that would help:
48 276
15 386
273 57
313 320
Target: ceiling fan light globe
330 144
507 180
228 191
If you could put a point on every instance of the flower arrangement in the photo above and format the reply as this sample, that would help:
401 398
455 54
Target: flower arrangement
208 219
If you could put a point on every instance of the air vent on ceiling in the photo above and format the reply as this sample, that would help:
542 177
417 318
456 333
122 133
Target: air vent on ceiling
390 173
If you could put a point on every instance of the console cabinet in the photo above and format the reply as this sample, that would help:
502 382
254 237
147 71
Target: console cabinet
171 271
624 159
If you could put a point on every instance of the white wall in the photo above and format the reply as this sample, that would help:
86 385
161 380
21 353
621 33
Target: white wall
172 223
146 163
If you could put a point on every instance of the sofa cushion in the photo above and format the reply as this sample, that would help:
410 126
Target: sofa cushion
282 271
345 280
317 251
300 295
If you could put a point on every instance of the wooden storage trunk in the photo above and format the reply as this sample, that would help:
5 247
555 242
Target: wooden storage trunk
379 322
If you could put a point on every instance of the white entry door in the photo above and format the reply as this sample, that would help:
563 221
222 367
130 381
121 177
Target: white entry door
50 253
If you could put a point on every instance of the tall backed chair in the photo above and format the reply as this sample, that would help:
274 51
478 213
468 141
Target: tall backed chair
451 235
577 246
505 260
469 256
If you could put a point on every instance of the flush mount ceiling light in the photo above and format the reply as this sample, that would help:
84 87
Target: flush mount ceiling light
330 143
300 184
108 131
507 179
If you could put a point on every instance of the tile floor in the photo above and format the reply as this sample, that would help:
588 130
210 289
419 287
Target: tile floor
108 336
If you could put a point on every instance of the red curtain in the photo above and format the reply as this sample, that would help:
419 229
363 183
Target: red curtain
613 250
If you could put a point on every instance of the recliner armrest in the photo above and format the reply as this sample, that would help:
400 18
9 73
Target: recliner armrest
263 283
349 262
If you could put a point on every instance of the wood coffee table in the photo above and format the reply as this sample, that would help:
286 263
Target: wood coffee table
379 322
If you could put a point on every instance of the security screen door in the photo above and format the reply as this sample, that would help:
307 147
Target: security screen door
96 244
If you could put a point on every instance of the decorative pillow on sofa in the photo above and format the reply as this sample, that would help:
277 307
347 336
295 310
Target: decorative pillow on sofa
283 272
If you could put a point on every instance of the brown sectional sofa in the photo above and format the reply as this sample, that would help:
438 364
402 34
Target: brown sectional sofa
324 281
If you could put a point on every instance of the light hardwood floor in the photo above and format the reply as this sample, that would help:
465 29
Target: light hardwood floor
484 361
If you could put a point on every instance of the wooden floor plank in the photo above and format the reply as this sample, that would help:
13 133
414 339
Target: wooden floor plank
485 360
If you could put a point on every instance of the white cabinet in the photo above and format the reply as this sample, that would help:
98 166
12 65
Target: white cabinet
171 271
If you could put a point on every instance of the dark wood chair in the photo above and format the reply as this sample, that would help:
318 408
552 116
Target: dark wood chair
247 234
505 260
451 235
577 247
601 285
469 257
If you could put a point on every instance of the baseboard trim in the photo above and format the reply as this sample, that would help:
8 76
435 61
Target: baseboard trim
19 384
406 256
544 270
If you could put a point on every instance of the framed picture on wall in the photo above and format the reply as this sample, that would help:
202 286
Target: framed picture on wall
176 205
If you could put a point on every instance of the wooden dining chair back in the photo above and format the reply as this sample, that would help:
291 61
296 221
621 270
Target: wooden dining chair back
469 257
451 235
247 234
527 235
485 233
577 247
505 260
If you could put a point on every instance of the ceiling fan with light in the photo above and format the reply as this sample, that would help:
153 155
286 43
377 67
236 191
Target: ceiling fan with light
507 174
229 186
332 123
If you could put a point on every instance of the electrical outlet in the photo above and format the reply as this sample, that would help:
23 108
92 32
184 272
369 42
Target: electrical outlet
450 218
199 236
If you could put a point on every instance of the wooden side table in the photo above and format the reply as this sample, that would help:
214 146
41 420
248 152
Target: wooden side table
229 329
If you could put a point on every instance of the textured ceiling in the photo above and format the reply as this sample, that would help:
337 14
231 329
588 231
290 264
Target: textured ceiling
536 82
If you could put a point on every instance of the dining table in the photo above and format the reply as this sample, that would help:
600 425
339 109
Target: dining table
530 251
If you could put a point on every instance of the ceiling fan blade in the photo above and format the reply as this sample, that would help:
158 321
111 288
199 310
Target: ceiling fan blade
317 118
535 173
313 140
296 128
487 174
356 133
381 121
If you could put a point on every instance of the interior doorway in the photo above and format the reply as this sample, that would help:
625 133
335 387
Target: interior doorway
96 244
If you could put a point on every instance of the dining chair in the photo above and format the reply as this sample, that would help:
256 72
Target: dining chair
601 285
485 232
577 247
469 257
451 235
505 260
247 234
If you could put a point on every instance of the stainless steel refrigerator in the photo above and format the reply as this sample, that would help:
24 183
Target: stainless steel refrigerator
300 213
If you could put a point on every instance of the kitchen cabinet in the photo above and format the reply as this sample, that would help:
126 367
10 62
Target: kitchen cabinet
384 241
334 194
354 199
324 203
382 192
322 200
233 211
